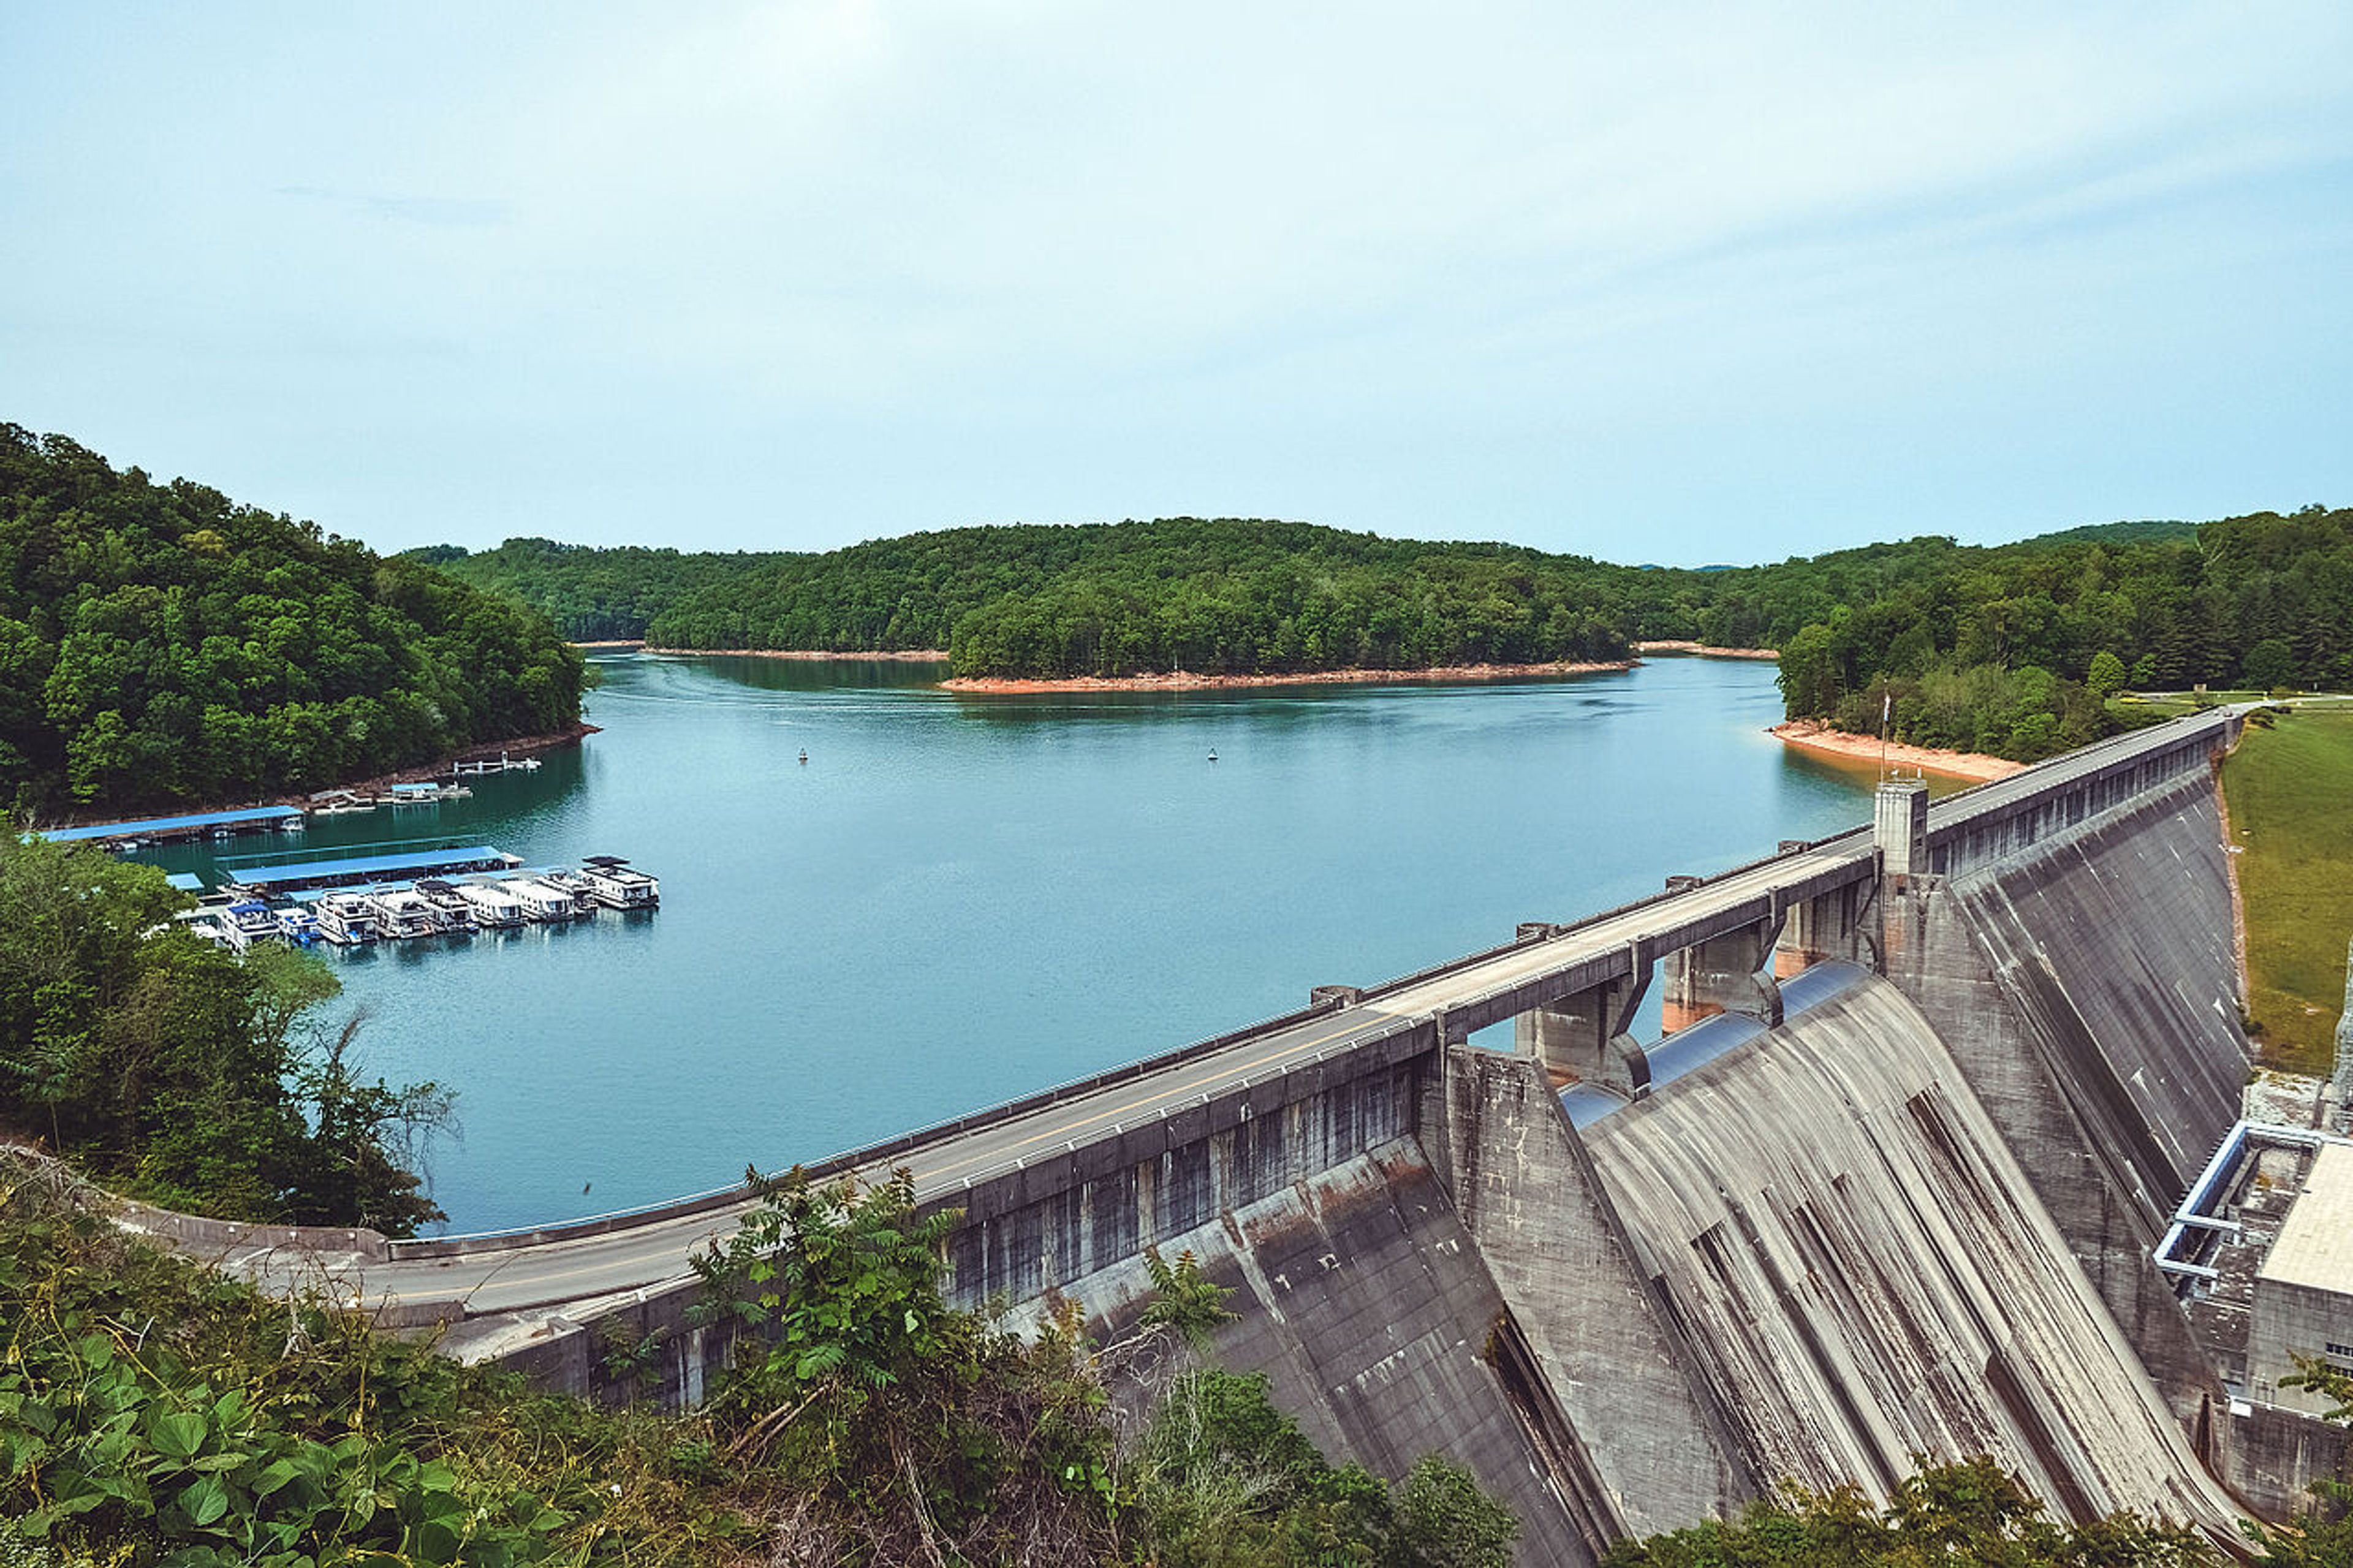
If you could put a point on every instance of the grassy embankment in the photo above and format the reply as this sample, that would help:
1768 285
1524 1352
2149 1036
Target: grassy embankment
2290 789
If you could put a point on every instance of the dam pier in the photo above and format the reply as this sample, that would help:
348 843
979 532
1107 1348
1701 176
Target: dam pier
1933 1094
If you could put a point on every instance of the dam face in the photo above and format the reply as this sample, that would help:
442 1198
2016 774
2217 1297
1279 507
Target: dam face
1913 1220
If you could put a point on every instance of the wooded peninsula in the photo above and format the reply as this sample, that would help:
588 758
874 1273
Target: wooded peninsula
2010 650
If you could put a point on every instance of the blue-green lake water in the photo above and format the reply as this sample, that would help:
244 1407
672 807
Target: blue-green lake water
960 899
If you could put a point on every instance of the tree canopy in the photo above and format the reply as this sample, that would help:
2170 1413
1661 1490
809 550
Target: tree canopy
160 645
2009 648
168 1068
592 595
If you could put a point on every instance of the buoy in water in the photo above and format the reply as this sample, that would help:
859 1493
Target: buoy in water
804 759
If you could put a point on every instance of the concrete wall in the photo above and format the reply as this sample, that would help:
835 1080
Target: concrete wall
2277 1454
2088 987
1364 1304
2294 1318
1072 1212
1862 1276
1971 834
1652 1448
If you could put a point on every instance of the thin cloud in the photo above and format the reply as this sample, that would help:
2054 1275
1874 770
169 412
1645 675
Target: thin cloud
437 212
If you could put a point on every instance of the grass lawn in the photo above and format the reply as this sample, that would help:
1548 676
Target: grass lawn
2291 795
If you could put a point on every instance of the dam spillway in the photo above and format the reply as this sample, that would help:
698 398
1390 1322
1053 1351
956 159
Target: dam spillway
1862 1274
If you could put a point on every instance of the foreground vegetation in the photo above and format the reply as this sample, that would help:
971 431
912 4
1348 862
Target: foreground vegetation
151 1413
2290 789
159 645
167 1068
2014 650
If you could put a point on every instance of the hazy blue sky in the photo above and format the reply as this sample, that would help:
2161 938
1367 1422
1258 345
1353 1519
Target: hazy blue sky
1652 282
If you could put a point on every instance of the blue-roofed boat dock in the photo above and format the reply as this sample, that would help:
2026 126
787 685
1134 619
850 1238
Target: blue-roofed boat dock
196 824
303 876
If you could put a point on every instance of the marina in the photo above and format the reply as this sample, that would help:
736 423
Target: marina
507 898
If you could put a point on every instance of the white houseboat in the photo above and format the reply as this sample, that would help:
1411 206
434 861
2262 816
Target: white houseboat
616 885
494 908
346 919
449 906
541 901
401 913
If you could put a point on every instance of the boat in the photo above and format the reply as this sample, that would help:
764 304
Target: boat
347 919
584 897
248 922
617 885
542 901
449 906
401 913
299 926
493 908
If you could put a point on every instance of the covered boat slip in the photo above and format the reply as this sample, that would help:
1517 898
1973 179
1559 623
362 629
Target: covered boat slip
302 876
194 825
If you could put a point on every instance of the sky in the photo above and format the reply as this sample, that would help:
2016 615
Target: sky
1662 282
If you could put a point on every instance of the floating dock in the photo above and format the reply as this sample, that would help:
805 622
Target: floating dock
301 877
168 829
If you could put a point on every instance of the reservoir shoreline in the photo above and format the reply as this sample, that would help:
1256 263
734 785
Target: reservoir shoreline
514 746
1690 650
1806 735
1186 680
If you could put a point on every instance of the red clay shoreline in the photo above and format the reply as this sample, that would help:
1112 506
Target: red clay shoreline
1806 735
905 654
1685 646
1186 680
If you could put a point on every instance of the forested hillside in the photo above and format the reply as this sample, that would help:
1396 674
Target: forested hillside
593 595
2014 648
160 645
1219 596
2009 648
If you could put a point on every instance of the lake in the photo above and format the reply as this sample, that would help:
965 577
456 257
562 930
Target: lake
961 899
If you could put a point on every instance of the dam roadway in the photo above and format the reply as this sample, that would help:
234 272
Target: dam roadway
594 1260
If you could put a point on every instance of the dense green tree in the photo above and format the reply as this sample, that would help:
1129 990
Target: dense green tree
158 1062
1972 1512
2107 676
2011 649
591 594
159 645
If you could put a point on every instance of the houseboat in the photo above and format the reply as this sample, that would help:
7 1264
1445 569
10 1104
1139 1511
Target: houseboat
494 908
400 913
248 922
616 885
541 900
450 906
347 919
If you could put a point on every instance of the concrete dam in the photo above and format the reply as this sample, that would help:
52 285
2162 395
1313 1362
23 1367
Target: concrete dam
1890 1191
